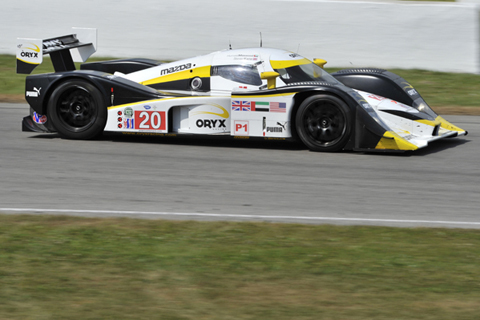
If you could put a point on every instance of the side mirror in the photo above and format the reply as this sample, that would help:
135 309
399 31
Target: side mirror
320 62
271 78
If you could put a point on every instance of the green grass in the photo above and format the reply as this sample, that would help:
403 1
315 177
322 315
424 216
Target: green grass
438 88
78 268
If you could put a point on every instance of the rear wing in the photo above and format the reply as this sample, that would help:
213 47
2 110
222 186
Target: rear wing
64 50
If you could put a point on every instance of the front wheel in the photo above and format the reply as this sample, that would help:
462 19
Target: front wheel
77 110
323 123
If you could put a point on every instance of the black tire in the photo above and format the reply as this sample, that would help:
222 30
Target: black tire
323 123
77 110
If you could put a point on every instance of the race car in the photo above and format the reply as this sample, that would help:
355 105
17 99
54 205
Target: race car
242 93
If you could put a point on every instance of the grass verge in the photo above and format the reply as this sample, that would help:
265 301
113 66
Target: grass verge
447 93
54 267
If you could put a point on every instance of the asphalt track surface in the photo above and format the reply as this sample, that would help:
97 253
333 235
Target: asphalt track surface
217 179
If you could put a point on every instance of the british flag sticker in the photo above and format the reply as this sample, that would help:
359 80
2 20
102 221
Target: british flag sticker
238 105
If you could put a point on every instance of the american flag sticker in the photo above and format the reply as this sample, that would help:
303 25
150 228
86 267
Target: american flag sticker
241 105
278 107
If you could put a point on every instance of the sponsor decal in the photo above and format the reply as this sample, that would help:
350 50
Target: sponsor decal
281 127
241 127
24 54
147 107
128 112
176 69
29 55
275 129
36 49
224 114
251 57
210 123
149 120
34 94
38 118
375 97
294 55
401 105
52 43
129 123
407 86
264 125
412 92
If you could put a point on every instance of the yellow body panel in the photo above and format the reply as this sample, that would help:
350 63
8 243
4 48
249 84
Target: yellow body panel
201 72
392 141
283 64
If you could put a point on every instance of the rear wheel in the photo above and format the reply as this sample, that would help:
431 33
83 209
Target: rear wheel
77 110
323 123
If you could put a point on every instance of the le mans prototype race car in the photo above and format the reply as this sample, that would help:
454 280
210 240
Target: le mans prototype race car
256 92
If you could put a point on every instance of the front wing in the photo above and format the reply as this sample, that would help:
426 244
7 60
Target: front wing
406 128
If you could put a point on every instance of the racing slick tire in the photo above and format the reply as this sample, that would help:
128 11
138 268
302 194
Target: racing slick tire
77 110
323 123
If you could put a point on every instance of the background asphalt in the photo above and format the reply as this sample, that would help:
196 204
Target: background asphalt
211 179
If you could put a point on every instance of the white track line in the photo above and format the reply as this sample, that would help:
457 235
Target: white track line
245 216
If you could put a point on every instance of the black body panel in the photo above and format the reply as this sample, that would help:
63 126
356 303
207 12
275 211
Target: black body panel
367 131
379 82
29 126
182 85
115 90
124 66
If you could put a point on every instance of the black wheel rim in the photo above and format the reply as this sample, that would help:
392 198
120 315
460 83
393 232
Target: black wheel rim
76 109
324 123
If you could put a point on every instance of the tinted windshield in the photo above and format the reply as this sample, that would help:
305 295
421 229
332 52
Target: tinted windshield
238 73
305 72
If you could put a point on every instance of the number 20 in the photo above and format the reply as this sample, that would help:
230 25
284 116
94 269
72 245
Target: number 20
152 120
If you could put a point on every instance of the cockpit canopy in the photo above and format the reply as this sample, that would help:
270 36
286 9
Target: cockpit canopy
230 70
245 66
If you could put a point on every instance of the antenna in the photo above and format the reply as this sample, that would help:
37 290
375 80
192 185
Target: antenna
229 44
260 39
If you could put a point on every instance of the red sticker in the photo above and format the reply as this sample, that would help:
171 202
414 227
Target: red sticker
241 128
150 120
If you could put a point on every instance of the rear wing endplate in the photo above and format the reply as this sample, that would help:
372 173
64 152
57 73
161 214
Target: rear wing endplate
64 50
